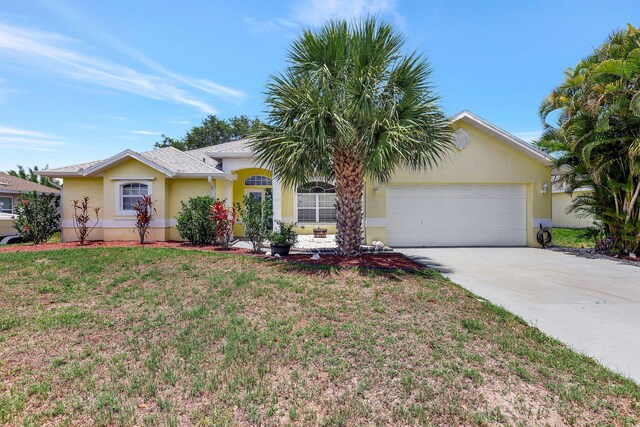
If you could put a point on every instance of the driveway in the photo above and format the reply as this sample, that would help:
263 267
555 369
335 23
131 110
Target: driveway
592 305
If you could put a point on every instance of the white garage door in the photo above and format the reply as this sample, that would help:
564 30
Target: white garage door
457 215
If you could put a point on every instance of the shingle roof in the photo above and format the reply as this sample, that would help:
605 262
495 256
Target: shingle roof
179 161
13 184
169 159
232 147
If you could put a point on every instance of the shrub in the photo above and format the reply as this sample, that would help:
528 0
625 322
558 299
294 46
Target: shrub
81 218
144 214
257 219
38 216
285 236
224 219
195 223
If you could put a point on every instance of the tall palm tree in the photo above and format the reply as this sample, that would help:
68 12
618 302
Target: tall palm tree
598 135
351 106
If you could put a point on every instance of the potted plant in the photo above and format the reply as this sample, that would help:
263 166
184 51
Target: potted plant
320 233
282 240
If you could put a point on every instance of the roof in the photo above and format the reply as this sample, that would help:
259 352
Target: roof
168 160
238 148
504 136
13 184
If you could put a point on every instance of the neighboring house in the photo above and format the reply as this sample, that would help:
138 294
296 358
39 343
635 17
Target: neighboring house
492 191
561 200
11 187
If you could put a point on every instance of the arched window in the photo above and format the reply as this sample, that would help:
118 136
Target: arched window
257 180
316 202
131 193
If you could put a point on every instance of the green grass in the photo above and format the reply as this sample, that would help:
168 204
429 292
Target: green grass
571 238
148 336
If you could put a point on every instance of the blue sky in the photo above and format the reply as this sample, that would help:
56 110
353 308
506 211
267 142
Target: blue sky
84 80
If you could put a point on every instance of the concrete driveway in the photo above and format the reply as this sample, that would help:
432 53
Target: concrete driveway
592 305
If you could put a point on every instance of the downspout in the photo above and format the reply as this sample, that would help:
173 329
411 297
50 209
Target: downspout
213 187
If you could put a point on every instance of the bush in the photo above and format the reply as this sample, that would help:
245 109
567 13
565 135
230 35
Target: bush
195 223
224 219
257 219
81 218
285 236
144 214
38 216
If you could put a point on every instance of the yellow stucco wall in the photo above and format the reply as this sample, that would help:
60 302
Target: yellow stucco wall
561 218
76 189
485 160
104 192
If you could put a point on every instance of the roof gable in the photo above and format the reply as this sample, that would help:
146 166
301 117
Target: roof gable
503 136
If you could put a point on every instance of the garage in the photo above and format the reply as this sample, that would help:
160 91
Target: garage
457 215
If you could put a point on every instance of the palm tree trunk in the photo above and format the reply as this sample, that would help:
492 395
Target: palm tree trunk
349 171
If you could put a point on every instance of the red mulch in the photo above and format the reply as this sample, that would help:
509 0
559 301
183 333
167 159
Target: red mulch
385 261
116 244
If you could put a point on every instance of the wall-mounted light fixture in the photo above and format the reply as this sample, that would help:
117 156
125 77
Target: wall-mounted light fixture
545 188
376 188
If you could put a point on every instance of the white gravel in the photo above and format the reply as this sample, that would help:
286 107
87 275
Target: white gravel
307 241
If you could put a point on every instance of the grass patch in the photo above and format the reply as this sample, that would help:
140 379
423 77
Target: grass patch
140 336
571 238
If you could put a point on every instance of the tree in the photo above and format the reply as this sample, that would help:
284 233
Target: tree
351 106
38 216
32 175
257 219
212 131
597 136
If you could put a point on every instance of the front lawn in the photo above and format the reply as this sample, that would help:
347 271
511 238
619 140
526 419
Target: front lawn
123 336
571 238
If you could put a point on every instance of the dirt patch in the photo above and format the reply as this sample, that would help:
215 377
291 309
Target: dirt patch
591 254
384 261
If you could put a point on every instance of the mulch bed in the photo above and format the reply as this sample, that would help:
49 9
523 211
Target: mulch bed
383 261
116 244
591 254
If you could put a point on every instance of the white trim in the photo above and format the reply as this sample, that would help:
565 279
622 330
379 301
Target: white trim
542 222
512 140
375 222
122 223
119 210
143 178
276 195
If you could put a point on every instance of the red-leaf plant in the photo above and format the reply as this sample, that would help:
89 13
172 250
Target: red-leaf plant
144 214
81 218
224 218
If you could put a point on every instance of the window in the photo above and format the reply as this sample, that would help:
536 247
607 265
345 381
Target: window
6 204
131 193
316 202
257 180
256 195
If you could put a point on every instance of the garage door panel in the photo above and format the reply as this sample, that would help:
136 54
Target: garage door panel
456 215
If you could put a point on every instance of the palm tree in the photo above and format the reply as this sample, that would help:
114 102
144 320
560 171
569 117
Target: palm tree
351 106
598 135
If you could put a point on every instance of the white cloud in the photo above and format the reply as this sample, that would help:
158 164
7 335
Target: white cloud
55 53
529 136
24 139
146 132
305 13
